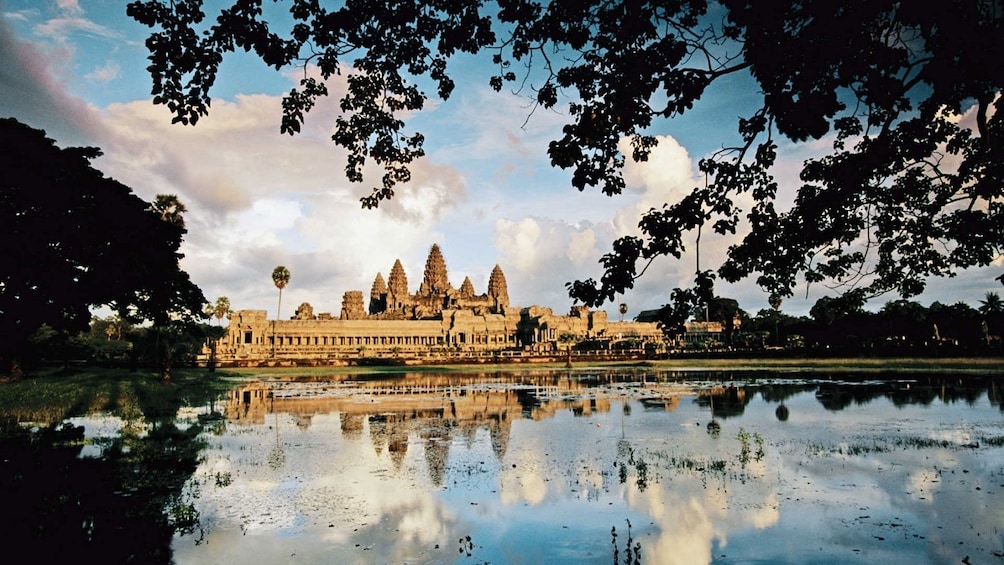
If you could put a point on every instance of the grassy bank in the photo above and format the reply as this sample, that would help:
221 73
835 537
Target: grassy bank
51 396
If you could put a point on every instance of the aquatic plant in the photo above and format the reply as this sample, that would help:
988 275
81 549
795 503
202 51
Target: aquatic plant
632 549
744 438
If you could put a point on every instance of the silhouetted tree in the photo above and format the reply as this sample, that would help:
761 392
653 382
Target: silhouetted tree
885 82
991 304
72 239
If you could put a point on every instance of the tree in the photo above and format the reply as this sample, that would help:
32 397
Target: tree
73 239
959 322
828 310
568 339
904 193
993 312
222 308
775 302
280 277
991 304
725 311
170 209
906 319
213 334
672 317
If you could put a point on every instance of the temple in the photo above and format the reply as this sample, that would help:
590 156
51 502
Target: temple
438 320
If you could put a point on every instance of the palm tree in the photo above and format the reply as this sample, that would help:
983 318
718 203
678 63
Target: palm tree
171 209
992 304
280 276
222 307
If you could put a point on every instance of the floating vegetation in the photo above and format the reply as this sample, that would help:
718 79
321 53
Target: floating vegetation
994 441
641 467
223 479
886 445
184 517
744 446
632 549
466 545
714 428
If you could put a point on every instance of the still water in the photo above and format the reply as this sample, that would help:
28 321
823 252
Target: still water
591 467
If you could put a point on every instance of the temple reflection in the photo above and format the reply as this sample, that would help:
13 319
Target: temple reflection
437 409
434 409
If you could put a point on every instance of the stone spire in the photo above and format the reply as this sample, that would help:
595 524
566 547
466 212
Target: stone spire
378 295
435 281
467 288
397 284
379 287
498 290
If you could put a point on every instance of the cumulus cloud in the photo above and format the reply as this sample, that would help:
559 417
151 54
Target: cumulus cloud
541 254
257 199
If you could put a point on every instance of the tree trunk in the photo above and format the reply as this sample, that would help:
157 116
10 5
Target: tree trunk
16 370
212 355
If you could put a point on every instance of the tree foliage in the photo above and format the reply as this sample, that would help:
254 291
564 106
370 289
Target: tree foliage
73 239
904 192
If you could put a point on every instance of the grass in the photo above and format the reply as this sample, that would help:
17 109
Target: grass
52 396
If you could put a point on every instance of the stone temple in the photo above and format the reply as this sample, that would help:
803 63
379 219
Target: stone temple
438 320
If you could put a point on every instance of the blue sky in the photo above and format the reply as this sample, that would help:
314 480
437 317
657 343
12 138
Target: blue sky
256 199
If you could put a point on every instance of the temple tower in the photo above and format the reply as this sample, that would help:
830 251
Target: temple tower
467 288
378 295
352 306
498 290
435 282
397 286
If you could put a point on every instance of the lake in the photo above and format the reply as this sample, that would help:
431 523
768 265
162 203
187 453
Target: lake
549 466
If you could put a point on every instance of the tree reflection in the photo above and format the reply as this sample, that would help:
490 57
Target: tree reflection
725 401
916 390
120 500
122 507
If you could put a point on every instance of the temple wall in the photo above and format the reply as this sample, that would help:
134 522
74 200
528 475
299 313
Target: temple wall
251 336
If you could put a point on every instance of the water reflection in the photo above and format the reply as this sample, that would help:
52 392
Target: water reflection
116 498
552 467
558 467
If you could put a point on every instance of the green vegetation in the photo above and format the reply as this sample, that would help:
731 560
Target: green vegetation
52 396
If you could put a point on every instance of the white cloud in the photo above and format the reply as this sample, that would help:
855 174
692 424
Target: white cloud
71 7
105 73
60 29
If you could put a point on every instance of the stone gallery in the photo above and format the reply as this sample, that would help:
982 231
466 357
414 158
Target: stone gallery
437 320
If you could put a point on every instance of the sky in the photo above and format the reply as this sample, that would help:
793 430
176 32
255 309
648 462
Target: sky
485 192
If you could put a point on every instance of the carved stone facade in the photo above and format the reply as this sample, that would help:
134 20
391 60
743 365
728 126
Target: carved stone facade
438 318
392 301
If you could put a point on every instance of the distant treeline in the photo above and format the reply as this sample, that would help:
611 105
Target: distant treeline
901 326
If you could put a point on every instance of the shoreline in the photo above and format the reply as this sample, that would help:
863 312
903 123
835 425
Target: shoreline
953 365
